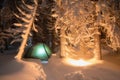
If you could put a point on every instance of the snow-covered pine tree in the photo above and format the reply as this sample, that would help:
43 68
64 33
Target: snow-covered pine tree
81 22
5 39
75 23
109 11
46 22
5 33
27 17
21 10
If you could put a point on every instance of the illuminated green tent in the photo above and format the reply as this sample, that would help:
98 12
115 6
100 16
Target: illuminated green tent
40 51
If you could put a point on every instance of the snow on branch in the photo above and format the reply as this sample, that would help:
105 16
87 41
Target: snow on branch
29 10
78 22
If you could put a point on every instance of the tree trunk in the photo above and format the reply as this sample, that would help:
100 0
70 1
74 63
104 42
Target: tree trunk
97 48
62 42
26 35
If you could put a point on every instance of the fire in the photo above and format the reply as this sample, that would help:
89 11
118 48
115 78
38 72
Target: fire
80 62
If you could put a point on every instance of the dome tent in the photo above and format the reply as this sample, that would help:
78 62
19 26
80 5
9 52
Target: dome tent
40 51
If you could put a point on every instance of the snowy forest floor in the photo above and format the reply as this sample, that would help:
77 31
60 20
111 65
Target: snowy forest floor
12 69
55 69
107 69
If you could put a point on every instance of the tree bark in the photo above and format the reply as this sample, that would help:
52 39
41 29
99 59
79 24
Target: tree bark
97 48
62 42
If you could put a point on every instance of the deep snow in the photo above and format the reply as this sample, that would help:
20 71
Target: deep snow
56 69
27 69
106 69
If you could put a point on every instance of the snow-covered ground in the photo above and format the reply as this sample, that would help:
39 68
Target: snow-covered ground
12 69
107 69
57 69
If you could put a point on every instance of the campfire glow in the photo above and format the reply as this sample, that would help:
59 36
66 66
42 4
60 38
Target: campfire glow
79 62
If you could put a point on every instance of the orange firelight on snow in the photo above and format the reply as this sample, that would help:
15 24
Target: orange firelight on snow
79 62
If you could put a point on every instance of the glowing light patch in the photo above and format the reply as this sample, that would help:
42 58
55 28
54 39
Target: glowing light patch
79 62
41 51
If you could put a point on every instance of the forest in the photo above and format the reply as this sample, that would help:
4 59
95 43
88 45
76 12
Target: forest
76 29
